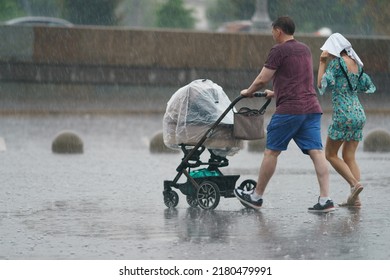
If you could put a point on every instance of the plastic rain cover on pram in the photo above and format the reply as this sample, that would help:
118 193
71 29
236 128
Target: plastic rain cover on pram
192 110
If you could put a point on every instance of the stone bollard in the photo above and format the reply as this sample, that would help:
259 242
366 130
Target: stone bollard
3 147
257 145
157 145
377 141
67 142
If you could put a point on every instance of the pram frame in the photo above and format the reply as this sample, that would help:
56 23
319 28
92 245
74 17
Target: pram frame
208 193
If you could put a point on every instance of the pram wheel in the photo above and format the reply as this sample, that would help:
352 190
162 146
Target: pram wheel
208 195
171 198
192 201
247 185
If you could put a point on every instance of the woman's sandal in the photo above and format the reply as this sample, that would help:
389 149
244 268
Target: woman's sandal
353 199
357 204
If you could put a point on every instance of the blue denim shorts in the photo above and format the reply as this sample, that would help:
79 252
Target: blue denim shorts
304 129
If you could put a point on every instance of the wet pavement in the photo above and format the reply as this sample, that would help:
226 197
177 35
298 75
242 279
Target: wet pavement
107 203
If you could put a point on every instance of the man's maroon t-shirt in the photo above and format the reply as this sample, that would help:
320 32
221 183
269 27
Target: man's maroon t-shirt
293 80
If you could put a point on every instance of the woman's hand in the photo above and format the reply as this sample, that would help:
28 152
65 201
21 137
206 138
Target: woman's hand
321 68
324 56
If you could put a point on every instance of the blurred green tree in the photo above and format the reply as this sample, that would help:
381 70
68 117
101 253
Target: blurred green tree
41 7
220 11
10 9
173 14
378 13
139 13
342 16
355 17
91 12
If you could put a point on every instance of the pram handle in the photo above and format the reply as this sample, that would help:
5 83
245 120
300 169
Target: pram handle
238 98
260 94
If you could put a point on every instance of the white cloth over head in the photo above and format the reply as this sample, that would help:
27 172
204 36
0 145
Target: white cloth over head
336 43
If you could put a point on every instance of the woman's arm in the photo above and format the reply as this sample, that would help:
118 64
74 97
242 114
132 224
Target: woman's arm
321 68
366 85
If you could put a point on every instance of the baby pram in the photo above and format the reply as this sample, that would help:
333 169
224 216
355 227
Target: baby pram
199 116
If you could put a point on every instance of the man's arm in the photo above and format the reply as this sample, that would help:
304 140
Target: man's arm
261 80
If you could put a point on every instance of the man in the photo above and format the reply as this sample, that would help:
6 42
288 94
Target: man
297 116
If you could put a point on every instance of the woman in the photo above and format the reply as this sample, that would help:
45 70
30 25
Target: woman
341 71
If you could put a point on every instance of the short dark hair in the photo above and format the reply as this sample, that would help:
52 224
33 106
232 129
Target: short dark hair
286 24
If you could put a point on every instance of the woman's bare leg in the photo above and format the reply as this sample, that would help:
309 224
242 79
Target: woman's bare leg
346 168
331 153
348 154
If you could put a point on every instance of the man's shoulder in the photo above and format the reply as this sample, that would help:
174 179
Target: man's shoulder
296 43
298 48
291 44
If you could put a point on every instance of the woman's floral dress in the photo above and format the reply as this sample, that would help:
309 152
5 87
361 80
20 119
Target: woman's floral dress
348 117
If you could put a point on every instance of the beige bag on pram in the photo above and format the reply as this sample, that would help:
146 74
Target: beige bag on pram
249 123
